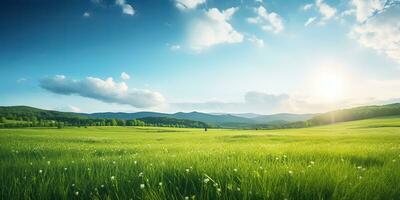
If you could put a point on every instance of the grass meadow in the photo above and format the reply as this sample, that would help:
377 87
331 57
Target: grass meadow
353 160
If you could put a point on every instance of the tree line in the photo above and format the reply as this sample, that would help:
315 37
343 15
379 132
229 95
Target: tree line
23 116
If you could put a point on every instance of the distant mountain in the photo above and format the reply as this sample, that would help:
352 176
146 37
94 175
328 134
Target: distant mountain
245 115
286 117
211 119
122 115
216 119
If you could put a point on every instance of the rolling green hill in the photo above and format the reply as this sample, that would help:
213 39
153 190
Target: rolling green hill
358 113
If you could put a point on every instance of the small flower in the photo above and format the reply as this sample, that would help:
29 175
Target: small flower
40 171
135 162
141 186
235 170
215 184
186 198
48 162
112 178
73 185
238 189
65 169
206 180
76 193
290 172
312 162
160 183
218 189
187 170
141 174
102 186
359 167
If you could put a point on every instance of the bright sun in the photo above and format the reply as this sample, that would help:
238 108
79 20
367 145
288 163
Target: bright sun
329 85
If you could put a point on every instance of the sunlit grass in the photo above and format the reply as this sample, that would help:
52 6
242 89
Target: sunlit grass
355 160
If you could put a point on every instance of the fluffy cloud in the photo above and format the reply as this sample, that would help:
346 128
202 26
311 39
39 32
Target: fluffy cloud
175 47
256 41
379 27
125 76
310 21
271 22
213 29
307 6
326 12
86 14
365 8
188 4
21 80
126 8
67 108
104 90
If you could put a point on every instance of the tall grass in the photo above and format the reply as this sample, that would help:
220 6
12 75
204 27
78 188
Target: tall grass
356 160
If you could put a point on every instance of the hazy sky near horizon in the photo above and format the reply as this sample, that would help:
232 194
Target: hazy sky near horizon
235 56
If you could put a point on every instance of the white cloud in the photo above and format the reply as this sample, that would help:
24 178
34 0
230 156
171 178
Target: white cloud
126 8
68 108
256 41
104 90
213 29
188 4
175 47
21 80
271 22
365 8
310 21
74 108
86 14
125 76
380 31
307 6
326 11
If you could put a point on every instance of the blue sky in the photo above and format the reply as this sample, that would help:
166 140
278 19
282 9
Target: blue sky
206 55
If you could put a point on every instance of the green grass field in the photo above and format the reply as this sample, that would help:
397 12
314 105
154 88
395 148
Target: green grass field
354 160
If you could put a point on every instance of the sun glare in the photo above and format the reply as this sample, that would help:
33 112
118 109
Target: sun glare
329 85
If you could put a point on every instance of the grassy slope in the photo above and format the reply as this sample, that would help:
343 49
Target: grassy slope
352 160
